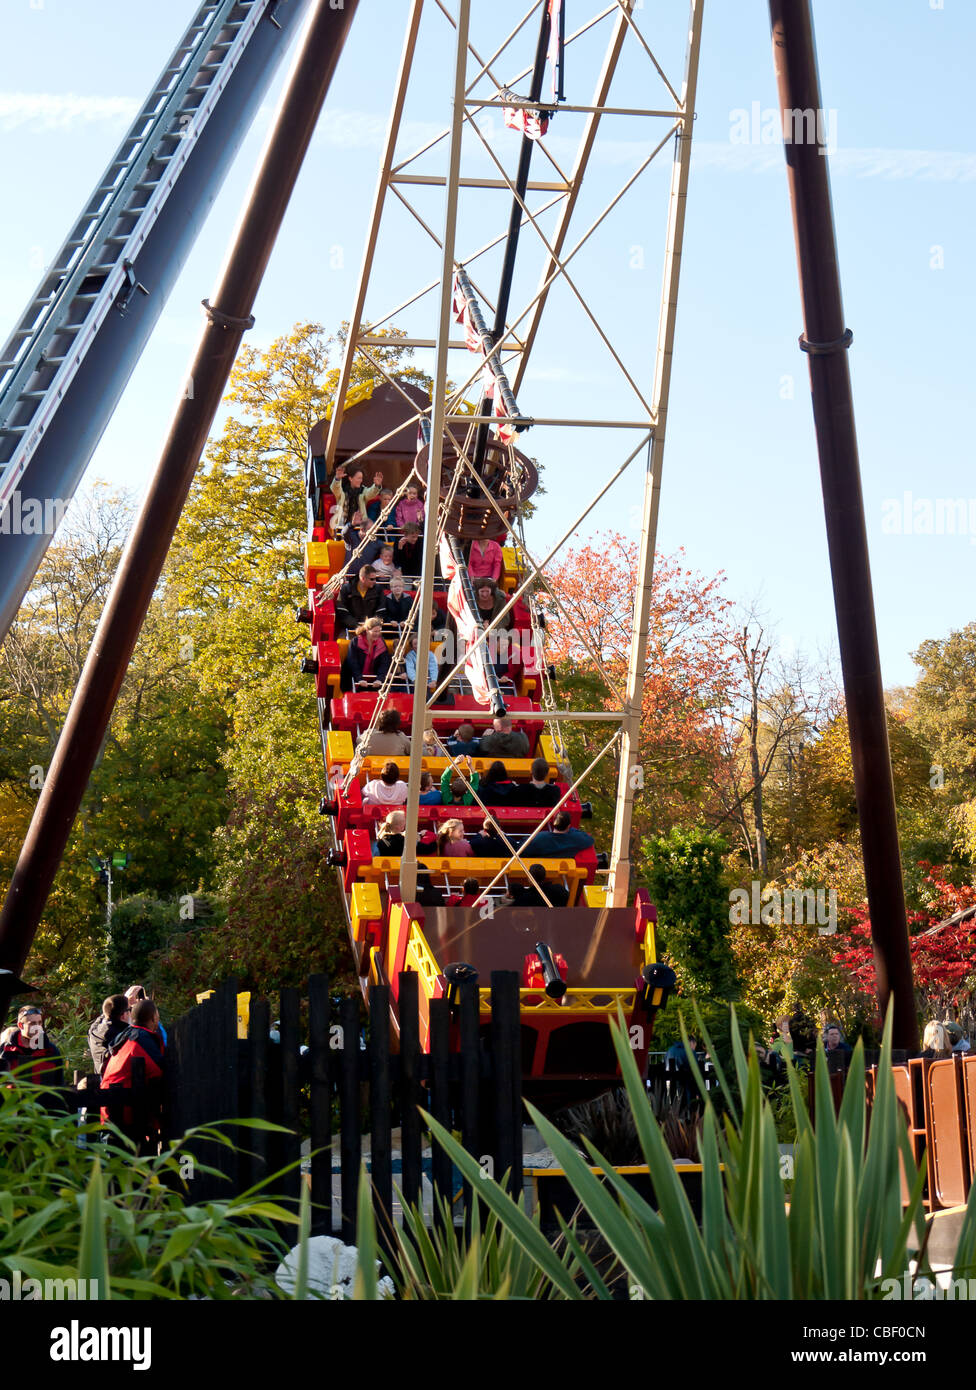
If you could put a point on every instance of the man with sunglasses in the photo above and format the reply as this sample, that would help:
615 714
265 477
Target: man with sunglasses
358 601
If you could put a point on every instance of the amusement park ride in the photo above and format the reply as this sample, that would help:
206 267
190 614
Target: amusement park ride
500 211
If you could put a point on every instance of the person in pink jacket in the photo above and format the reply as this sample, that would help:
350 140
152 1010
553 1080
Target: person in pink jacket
410 509
485 560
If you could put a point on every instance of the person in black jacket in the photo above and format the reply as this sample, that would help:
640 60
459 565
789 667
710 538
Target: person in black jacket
367 660
538 792
107 1028
528 894
358 600
496 788
396 605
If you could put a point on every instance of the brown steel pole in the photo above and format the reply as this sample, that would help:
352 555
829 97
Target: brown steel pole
825 340
228 316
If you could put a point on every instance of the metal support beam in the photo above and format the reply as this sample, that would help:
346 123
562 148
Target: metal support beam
514 228
369 251
825 340
619 881
145 553
420 716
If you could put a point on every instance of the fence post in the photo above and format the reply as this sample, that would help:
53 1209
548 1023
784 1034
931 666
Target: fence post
410 1086
506 1052
350 1144
290 1095
258 1043
380 1144
440 1100
227 1108
320 1102
470 1030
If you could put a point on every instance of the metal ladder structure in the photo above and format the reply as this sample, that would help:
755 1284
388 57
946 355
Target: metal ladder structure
64 366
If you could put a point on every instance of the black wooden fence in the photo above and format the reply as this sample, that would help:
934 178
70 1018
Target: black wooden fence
469 1080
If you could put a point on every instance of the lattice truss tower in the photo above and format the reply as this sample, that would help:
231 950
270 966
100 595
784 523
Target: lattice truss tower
614 159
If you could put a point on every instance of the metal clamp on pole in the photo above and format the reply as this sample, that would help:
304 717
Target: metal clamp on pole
822 349
222 320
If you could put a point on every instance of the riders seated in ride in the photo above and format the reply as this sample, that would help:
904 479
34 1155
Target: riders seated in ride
453 790
451 841
387 738
497 787
386 790
367 660
395 605
485 560
563 841
358 600
504 741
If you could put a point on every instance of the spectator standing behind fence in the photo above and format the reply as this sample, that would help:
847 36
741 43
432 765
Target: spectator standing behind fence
957 1037
935 1041
107 1028
136 992
30 1050
834 1041
140 1040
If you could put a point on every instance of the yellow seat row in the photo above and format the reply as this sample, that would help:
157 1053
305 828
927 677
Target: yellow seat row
323 559
457 868
339 754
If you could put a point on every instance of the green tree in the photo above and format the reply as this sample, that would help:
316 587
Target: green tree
157 787
237 572
686 877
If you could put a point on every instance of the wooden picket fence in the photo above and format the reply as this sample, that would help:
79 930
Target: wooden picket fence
342 1087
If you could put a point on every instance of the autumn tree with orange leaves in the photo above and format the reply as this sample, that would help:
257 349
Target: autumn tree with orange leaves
687 672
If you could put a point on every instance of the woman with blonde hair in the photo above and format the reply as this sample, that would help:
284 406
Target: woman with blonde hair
389 837
451 841
935 1041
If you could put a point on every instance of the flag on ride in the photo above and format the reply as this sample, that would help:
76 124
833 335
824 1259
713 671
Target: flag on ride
462 314
534 124
467 625
505 428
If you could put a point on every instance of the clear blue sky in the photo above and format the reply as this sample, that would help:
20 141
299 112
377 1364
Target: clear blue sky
741 489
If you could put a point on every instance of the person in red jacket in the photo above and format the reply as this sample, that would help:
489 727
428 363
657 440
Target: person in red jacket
29 1051
142 1040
